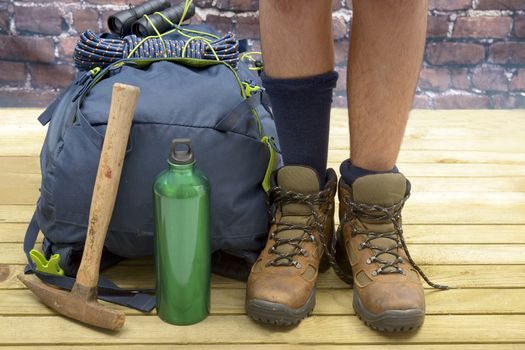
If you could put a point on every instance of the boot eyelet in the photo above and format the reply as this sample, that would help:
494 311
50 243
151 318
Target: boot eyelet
374 273
297 264
361 246
368 261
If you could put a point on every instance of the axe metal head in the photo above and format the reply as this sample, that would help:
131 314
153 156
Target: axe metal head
80 304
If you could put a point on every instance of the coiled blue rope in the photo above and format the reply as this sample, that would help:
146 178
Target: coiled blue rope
93 51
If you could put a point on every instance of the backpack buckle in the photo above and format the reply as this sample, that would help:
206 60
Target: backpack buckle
46 266
250 88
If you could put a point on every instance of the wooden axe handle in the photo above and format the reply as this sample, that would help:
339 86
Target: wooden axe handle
123 101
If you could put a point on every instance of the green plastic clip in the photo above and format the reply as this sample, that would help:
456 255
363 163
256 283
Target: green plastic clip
250 88
94 71
271 164
43 265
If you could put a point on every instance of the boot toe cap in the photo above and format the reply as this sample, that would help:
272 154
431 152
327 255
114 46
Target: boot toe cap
393 296
291 292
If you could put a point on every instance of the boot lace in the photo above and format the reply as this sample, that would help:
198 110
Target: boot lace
380 214
280 196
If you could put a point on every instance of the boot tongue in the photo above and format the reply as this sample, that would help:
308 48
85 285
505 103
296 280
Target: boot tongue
385 190
302 180
298 179
381 189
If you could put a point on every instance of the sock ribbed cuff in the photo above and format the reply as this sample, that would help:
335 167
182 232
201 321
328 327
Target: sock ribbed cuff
350 172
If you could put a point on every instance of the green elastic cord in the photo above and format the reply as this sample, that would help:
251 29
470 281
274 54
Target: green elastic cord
158 35
271 163
186 8
249 55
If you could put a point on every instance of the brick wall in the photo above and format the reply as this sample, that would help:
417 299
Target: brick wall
474 57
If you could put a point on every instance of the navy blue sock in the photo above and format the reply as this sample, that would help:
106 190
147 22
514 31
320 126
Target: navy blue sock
350 172
302 115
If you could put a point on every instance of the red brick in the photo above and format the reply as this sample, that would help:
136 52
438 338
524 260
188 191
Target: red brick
84 19
518 81
454 53
490 78
203 3
449 5
248 26
66 47
222 4
501 5
104 15
460 78
422 102
341 51
339 27
243 5
519 26
436 79
502 101
26 98
4 18
41 20
337 4
482 27
437 26
507 52
461 101
12 73
223 24
23 48
51 75
116 2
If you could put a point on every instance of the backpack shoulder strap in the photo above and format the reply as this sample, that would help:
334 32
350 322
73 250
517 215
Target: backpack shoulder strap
140 300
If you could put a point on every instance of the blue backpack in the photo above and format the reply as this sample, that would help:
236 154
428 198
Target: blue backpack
225 114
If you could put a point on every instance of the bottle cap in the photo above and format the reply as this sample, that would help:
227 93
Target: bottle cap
178 156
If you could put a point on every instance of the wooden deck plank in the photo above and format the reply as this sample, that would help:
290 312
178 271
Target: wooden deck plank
427 254
438 329
337 155
30 165
329 302
516 346
422 208
460 276
414 234
21 189
427 130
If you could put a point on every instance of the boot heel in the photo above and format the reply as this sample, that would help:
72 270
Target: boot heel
324 265
345 273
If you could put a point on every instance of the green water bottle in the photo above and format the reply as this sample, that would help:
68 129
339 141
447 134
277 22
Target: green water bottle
182 238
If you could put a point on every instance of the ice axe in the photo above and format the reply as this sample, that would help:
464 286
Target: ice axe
81 302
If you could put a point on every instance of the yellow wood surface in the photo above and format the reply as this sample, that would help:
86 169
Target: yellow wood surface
465 225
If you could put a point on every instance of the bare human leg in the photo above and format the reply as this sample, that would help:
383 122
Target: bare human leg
386 49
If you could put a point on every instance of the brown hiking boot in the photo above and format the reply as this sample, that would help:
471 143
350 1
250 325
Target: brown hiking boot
388 295
281 286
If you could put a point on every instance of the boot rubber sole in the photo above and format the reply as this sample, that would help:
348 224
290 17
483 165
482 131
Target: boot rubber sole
278 314
391 320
